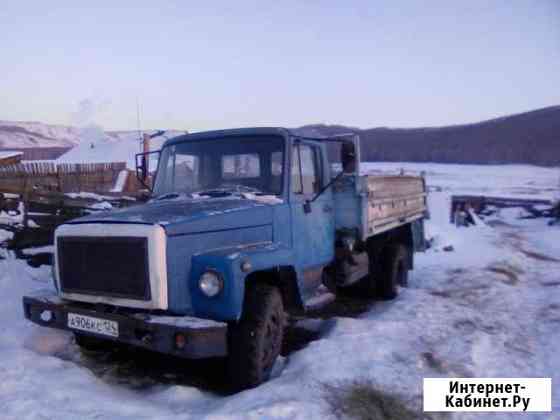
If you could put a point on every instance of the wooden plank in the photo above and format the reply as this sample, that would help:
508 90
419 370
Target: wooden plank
499 201
400 209
388 186
393 200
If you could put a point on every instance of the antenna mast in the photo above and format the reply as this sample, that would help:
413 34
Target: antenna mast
140 139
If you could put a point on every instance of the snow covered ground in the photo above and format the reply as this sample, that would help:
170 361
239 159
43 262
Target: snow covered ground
490 308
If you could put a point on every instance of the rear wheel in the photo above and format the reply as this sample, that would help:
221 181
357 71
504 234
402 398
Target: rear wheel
392 271
255 341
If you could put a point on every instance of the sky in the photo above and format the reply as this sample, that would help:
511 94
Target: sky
194 65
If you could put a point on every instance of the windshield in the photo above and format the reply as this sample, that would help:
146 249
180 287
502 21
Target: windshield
222 166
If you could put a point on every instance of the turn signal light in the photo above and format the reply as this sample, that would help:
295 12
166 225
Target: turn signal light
180 341
46 316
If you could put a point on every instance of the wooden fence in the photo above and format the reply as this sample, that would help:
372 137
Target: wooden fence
64 178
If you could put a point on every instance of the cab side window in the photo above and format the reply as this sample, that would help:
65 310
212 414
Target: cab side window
305 170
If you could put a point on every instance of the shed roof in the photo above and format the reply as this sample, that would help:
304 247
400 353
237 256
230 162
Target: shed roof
9 154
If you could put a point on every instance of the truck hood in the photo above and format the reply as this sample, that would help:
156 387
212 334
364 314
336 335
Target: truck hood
184 215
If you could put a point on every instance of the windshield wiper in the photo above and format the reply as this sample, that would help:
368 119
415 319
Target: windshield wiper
168 196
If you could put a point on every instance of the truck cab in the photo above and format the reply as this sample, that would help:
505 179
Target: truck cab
242 227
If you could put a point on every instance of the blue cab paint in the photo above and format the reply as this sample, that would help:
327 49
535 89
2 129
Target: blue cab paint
219 233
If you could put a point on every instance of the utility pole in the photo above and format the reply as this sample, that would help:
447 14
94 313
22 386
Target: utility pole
138 119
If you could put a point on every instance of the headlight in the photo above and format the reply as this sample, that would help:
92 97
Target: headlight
211 283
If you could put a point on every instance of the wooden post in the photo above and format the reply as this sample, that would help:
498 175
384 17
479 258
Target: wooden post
24 198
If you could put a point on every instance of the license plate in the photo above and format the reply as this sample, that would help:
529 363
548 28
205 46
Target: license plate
94 325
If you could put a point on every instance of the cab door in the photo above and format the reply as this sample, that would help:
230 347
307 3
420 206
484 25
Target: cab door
313 222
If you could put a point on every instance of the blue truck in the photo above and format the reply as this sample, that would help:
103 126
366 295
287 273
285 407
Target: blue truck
242 228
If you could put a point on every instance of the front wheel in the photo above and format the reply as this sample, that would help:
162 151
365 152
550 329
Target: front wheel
255 341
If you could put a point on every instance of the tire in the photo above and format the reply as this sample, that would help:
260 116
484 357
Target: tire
89 343
392 271
255 341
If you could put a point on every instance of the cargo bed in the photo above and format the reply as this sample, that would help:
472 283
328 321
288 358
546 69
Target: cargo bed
372 204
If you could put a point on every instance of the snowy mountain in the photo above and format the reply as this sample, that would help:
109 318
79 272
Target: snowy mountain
36 134
21 134
87 144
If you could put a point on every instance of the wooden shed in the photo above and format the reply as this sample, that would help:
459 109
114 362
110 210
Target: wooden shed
10 158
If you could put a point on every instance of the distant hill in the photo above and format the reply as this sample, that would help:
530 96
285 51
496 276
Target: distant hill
23 134
40 141
531 137
36 134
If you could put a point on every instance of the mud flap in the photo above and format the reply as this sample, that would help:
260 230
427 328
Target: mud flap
418 236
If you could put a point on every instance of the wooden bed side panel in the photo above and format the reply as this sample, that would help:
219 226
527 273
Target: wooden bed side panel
393 186
393 200
379 213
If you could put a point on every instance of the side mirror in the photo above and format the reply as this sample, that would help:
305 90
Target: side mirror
348 157
141 167
142 172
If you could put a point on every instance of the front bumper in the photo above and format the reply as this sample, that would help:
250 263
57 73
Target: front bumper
204 338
